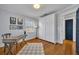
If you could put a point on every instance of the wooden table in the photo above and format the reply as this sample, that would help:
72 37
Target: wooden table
8 42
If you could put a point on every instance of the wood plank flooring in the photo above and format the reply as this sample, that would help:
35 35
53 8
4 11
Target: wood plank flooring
67 48
14 49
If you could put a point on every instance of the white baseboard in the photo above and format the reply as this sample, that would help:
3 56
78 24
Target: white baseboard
48 40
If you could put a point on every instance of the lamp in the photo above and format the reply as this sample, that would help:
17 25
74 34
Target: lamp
36 6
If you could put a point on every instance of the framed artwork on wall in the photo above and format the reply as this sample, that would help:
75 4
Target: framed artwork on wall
19 21
19 27
12 20
16 23
12 27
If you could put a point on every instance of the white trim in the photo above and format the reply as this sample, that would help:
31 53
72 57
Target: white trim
68 13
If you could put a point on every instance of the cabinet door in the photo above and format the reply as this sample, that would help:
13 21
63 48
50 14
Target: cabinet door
46 30
52 28
49 28
42 28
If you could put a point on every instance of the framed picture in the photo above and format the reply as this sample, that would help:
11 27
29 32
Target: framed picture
12 20
16 23
19 21
12 27
19 27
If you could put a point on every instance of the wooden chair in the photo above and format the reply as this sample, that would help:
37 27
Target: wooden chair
4 36
7 35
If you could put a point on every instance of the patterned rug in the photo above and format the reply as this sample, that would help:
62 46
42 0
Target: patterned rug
32 49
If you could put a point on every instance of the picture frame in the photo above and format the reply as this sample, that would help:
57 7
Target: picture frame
20 21
12 20
16 23
12 27
19 27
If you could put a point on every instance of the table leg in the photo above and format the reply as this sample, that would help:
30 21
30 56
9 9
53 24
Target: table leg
9 49
16 47
24 41
5 46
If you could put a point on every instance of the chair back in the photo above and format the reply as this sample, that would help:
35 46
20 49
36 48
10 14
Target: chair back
6 35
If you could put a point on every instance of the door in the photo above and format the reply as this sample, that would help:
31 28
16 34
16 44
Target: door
69 29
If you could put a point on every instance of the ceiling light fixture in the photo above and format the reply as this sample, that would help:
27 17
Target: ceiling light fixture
36 6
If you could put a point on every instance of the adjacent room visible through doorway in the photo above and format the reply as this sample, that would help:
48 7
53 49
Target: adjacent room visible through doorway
69 29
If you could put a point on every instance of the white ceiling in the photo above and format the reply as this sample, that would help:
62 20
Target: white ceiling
28 10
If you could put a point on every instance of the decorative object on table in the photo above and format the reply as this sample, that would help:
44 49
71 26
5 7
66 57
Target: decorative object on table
12 20
24 32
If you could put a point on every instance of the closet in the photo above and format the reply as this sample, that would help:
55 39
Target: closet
47 28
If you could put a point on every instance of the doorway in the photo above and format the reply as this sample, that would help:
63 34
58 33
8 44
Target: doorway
69 29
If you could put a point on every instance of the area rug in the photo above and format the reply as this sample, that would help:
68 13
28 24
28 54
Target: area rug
32 49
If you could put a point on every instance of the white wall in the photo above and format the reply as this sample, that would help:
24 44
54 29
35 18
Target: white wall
5 22
29 27
51 28
47 28
65 14
59 24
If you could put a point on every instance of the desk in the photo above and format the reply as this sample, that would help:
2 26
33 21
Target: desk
8 42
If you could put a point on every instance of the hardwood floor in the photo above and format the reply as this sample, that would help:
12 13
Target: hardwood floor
67 48
14 49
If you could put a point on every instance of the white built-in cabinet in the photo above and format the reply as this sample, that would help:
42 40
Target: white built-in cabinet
47 28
